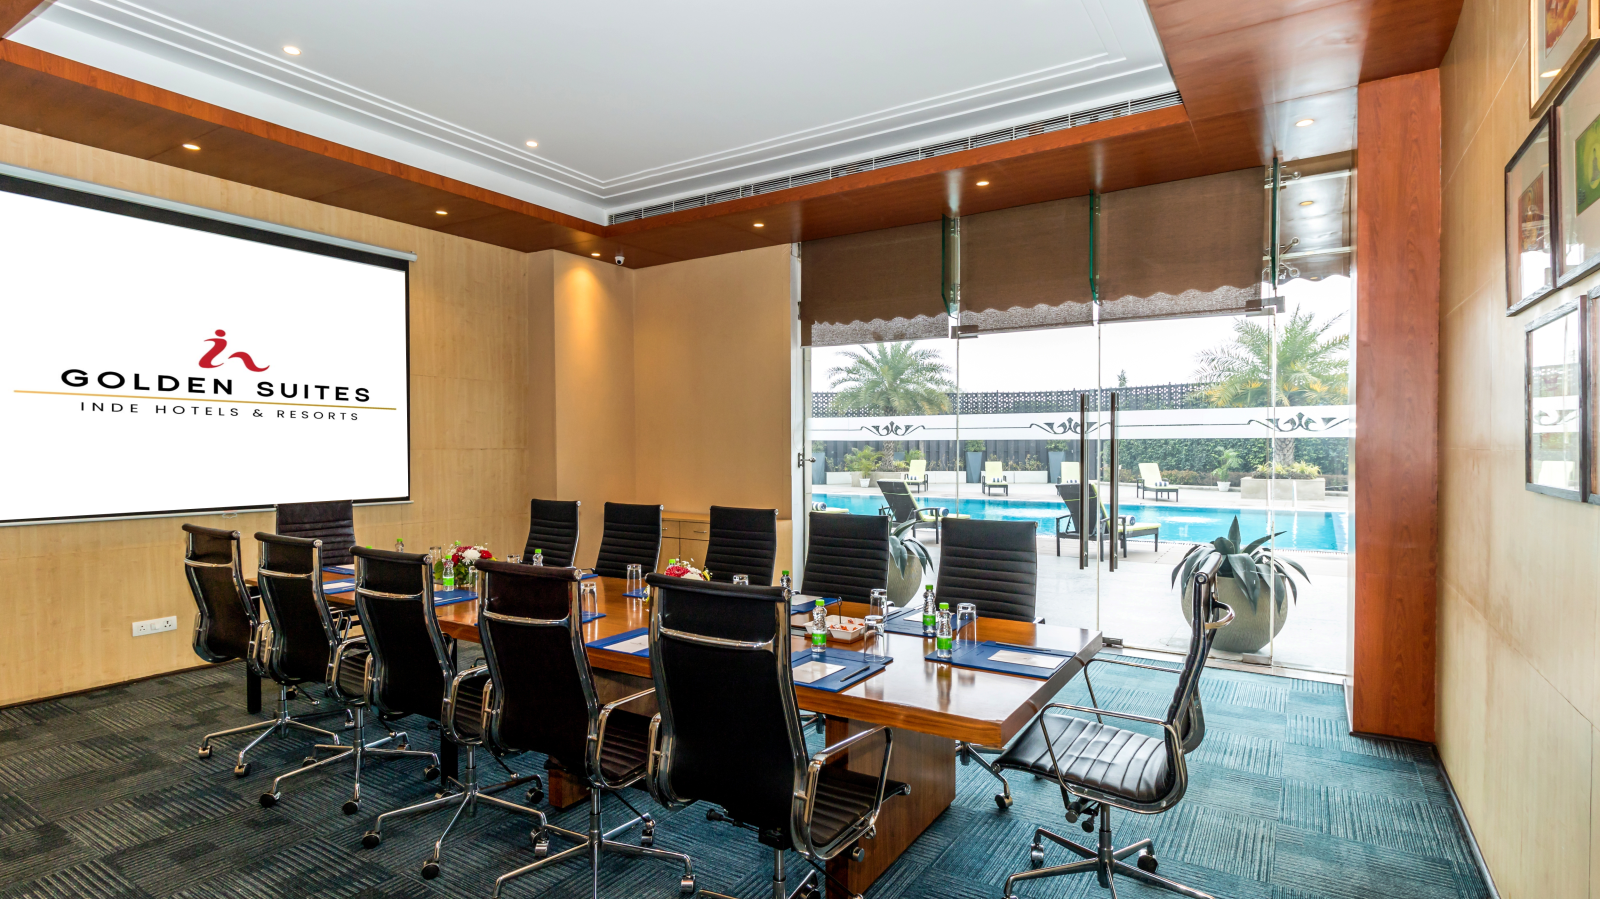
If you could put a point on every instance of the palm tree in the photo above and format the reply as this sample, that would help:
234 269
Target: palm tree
893 379
1313 369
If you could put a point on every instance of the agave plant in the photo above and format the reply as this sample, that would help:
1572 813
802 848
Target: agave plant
901 547
1244 565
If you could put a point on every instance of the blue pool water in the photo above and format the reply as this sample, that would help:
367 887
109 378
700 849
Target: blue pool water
1322 531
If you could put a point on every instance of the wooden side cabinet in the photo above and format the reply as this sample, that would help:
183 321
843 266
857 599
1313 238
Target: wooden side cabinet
684 535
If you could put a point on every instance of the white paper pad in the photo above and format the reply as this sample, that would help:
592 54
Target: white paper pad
812 672
632 644
1012 657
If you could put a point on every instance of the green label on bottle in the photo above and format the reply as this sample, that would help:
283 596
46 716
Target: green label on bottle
929 620
820 638
943 644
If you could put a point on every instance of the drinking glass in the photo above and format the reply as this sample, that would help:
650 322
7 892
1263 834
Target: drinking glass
966 624
589 598
436 557
514 559
742 580
877 608
635 578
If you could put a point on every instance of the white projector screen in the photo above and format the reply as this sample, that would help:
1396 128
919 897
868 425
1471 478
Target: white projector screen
158 362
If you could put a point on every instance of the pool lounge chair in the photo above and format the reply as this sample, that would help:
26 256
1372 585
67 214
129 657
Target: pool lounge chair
994 478
917 475
902 508
1068 527
1151 482
1069 473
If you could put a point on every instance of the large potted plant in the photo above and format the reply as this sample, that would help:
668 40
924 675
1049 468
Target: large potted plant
908 559
862 463
1227 461
1241 584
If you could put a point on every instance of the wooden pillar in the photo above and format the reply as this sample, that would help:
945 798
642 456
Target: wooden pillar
1396 460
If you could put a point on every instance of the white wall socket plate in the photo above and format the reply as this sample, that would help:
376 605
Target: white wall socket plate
155 626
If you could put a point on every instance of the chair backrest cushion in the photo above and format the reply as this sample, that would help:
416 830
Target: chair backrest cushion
290 578
743 541
1069 472
992 564
553 530
1071 494
227 614
747 764
1149 472
544 697
333 523
632 536
901 504
411 667
846 556
917 467
992 468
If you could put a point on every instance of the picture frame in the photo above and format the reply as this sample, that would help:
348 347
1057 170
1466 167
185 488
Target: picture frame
1591 371
1575 162
1560 33
1530 219
1556 458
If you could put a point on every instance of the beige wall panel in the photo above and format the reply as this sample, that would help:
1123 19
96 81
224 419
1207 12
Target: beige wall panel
1463 693
541 398
712 355
594 399
71 591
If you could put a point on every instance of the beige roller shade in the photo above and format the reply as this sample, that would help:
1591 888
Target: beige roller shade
873 286
1026 267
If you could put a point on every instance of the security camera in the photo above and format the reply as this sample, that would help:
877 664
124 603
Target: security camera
620 259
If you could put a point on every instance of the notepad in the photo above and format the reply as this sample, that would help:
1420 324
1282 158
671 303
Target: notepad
1013 657
814 671
338 586
631 645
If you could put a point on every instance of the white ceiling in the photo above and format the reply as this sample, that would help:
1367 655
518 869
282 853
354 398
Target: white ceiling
631 102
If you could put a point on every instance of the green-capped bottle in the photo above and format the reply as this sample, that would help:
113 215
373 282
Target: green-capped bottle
944 639
929 613
819 627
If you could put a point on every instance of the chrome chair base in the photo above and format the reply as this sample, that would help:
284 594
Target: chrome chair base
279 726
358 749
807 888
595 842
968 753
465 795
1104 862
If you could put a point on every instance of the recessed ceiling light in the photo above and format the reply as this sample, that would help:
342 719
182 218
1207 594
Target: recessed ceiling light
441 212
1550 74
291 49
760 225
533 143
191 146
1305 123
596 255
983 184
1308 202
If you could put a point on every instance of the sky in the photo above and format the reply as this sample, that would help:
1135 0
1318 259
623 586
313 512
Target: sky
1151 352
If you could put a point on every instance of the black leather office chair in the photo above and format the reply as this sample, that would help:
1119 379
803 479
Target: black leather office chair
1100 767
994 565
308 644
717 648
632 537
552 529
412 669
846 556
334 523
544 700
743 541
226 628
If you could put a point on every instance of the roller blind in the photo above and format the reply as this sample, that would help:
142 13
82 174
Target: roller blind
874 286
1027 266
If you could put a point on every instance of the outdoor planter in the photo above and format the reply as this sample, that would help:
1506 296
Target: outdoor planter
841 478
974 467
1310 489
1248 632
885 476
902 587
1028 477
1222 486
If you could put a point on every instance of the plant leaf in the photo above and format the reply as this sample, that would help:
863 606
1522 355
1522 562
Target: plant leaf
1244 573
897 552
1255 544
1183 563
1233 531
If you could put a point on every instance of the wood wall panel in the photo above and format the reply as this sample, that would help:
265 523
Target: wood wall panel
1397 390
69 592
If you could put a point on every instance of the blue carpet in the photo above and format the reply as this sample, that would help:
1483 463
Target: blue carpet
101 795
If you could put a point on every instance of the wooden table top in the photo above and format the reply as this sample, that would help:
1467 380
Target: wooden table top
982 707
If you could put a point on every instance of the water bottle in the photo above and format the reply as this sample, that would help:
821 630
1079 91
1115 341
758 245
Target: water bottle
929 614
399 545
449 573
538 557
819 628
786 582
944 641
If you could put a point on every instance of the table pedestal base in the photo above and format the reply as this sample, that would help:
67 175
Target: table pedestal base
928 764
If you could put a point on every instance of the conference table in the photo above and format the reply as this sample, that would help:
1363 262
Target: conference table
929 705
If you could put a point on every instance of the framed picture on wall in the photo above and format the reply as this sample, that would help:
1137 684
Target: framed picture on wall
1530 244
1575 131
1591 396
1555 404
1562 30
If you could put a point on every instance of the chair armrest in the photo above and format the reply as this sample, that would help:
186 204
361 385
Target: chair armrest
597 740
808 799
929 514
447 716
1143 719
336 658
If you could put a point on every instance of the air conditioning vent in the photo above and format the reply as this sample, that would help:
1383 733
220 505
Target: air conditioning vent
987 139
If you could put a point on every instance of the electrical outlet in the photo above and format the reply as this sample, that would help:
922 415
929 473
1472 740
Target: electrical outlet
155 626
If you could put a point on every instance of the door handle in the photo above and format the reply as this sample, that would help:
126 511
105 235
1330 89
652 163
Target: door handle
1116 522
801 460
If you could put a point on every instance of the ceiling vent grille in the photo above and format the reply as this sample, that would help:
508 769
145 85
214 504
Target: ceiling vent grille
990 138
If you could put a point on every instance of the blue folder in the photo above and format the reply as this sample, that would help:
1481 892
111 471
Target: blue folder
636 594
587 617
857 668
338 586
625 635
908 623
451 597
976 655
340 569
807 603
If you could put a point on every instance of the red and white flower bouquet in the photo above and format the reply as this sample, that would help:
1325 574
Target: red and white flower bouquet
678 568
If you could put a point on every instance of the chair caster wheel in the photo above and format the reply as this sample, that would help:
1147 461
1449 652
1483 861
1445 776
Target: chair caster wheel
350 806
647 838
964 755
1002 800
241 770
1147 861
1088 824
686 885
268 800
1036 856
430 870
203 752
535 795
430 772
370 839
541 844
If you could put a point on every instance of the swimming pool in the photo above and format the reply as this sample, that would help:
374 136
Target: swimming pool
1302 529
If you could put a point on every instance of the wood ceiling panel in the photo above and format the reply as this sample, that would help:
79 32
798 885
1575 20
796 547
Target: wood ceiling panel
248 159
512 230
